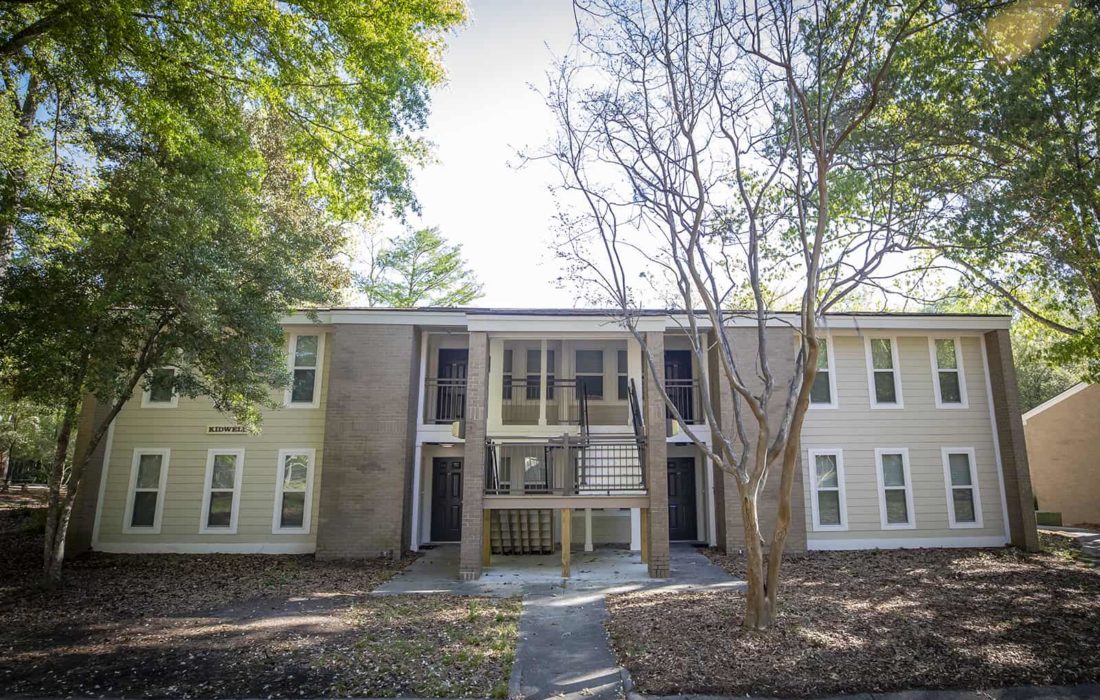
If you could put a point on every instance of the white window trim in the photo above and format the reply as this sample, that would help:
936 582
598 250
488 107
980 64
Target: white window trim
969 452
904 452
291 345
165 454
963 400
308 507
816 521
238 473
834 399
147 402
895 360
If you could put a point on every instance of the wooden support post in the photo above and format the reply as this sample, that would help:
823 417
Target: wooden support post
486 536
566 539
645 535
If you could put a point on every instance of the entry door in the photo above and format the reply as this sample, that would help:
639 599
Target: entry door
451 395
678 382
446 499
681 499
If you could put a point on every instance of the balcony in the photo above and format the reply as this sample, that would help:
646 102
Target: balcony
521 404
565 466
444 400
684 394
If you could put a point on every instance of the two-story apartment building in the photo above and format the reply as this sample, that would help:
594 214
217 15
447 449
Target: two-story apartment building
515 431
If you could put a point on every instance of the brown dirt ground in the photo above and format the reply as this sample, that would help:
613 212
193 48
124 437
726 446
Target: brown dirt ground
874 621
206 626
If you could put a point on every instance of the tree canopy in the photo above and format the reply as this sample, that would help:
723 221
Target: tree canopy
420 268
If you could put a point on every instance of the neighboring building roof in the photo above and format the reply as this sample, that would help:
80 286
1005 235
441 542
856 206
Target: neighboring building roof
1075 389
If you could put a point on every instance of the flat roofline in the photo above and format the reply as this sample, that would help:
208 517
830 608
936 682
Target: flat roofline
507 311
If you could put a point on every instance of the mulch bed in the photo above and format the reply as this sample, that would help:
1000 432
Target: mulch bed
875 621
206 626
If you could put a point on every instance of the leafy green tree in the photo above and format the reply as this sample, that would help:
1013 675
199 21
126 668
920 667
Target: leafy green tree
995 118
346 79
420 269
182 259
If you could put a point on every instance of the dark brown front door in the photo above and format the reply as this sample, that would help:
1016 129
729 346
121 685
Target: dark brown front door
681 499
446 499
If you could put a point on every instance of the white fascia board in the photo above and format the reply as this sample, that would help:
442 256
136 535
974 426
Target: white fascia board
500 323
917 323
384 317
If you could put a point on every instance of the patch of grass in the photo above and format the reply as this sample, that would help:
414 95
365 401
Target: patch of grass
870 622
431 646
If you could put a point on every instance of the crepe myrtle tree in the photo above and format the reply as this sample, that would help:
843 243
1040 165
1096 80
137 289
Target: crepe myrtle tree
718 150
184 260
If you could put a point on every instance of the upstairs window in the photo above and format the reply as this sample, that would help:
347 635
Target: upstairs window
590 373
823 391
160 392
895 488
305 365
948 381
828 504
624 381
882 368
534 372
964 507
506 393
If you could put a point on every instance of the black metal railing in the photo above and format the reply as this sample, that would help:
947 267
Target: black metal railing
444 399
565 466
521 399
684 395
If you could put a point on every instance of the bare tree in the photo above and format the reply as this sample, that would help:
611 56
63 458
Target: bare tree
721 148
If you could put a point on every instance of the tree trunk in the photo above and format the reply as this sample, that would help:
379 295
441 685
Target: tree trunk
5 465
58 506
757 614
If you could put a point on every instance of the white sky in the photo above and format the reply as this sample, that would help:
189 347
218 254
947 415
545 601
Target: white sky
485 114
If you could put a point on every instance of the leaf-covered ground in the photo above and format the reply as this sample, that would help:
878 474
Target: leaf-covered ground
215 626
873 622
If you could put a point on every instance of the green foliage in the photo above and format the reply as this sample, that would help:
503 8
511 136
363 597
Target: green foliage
28 431
995 118
182 259
420 269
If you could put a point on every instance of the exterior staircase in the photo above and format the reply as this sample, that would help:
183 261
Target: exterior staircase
527 531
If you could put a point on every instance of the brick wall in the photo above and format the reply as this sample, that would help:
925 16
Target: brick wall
369 429
1010 439
656 455
781 353
473 464
82 523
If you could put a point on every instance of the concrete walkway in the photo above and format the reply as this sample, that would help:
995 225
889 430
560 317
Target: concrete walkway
563 650
1087 540
1088 691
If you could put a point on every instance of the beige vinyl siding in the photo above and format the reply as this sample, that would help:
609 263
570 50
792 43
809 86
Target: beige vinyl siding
921 428
183 431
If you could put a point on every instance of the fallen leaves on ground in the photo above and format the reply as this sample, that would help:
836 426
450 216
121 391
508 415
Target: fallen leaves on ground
873 621
206 626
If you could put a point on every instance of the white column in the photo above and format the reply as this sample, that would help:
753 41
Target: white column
635 529
542 383
496 384
415 535
423 379
588 529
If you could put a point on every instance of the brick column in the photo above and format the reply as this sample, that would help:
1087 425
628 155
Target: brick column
473 466
1010 439
656 456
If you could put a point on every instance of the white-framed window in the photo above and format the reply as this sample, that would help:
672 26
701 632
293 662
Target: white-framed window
948 378
883 373
828 504
222 491
589 373
159 392
293 491
621 370
145 502
823 391
964 502
506 388
895 488
306 353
